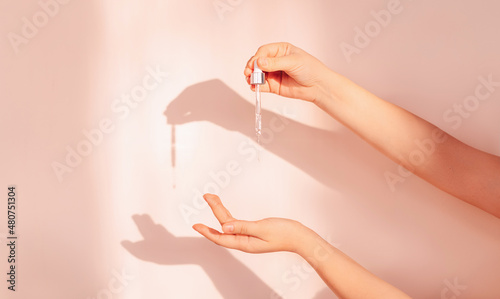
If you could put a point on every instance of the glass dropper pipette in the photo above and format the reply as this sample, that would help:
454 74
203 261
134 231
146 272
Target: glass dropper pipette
257 78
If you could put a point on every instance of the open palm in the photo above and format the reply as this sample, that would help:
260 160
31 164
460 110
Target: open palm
266 235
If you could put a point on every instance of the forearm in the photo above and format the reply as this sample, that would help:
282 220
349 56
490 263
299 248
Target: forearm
345 277
415 144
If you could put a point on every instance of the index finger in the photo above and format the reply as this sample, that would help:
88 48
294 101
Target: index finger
220 212
269 50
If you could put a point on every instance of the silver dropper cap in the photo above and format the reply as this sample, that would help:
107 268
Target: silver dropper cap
257 77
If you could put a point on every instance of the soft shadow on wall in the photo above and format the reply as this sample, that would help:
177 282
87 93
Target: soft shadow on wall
317 152
293 143
231 277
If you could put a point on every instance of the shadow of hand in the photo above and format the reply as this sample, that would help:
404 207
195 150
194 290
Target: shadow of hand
211 101
160 246
318 152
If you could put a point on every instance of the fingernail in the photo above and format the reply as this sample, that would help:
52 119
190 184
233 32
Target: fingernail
228 228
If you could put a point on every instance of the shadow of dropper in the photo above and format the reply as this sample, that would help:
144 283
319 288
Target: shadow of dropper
318 152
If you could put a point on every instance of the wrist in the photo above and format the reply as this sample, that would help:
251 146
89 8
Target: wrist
314 249
306 240
328 88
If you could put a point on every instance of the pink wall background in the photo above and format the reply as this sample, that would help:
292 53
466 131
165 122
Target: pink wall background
114 227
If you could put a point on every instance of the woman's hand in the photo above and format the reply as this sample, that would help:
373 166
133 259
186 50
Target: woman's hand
267 235
291 72
343 275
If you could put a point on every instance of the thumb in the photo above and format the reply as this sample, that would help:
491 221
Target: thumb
283 63
241 227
